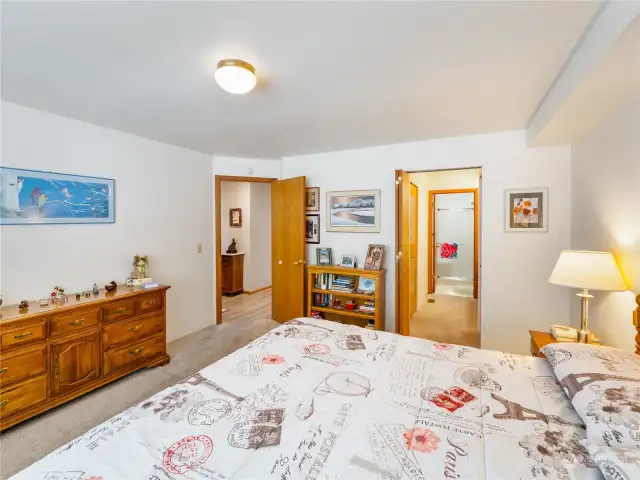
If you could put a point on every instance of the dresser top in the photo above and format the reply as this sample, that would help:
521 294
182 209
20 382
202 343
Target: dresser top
11 313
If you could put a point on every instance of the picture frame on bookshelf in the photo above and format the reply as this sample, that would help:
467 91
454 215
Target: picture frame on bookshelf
348 261
366 285
323 256
374 257
312 228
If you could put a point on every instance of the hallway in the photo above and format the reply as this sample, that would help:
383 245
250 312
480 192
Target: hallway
450 319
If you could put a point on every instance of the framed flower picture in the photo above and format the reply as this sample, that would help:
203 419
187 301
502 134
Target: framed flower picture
527 210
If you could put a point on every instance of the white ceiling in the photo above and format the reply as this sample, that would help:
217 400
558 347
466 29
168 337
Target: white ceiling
613 82
331 75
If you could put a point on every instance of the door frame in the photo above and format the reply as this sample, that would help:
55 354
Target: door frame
414 264
218 280
431 233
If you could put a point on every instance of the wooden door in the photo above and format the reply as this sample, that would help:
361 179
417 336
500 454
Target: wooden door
413 278
403 249
75 362
288 248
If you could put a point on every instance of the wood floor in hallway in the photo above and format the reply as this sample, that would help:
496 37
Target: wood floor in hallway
450 319
255 306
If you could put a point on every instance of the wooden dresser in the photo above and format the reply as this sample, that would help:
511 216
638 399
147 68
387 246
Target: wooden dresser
232 273
50 355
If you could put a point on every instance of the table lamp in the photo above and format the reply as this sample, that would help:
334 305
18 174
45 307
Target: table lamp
587 270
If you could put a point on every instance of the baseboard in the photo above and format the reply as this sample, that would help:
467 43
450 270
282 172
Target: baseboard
257 290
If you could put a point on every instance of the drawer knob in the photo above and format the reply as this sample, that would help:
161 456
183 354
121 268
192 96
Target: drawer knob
77 323
23 335
136 351
3 403
3 369
135 328
151 302
120 310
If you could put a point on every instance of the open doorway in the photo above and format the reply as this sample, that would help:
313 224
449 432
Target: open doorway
262 275
438 263
245 250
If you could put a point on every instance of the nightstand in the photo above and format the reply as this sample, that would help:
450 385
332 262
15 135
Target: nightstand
540 339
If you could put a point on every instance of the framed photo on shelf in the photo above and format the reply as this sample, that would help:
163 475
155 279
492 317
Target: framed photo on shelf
235 217
313 199
312 228
348 261
323 256
527 210
374 257
353 211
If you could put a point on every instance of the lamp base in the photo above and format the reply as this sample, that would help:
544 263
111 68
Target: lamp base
584 336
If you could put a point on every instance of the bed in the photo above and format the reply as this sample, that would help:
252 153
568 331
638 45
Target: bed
314 399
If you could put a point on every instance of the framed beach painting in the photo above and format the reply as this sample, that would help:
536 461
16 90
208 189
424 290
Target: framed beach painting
527 210
353 211
29 197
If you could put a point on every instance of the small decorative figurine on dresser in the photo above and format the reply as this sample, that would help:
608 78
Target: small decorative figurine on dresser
0 300
141 264
96 290
78 295
57 295
111 287
232 247
24 306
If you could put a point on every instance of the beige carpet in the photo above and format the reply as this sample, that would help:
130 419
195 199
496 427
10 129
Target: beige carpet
29 441
451 319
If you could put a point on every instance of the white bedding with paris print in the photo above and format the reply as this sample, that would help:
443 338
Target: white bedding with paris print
315 399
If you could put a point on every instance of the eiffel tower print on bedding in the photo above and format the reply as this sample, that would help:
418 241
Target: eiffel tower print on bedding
296 404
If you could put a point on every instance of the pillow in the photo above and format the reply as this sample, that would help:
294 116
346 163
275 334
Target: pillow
603 384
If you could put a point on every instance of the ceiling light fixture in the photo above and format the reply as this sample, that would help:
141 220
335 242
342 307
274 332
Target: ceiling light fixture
235 76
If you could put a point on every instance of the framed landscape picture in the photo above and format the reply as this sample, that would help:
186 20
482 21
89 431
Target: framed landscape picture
29 197
527 210
312 228
353 211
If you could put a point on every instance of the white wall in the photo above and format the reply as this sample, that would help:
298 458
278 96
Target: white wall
163 209
258 274
426 181
515 266
606 216
235 195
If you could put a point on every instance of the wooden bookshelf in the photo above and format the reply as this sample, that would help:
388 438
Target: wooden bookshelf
317 273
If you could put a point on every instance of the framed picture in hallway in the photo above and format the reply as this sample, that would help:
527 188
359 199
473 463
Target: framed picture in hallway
527 210
312 228
235 217
353 211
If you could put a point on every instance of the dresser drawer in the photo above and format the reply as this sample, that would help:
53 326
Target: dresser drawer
22 396
27 362
23 335
118 358
150 302
119 310
61 325
132 330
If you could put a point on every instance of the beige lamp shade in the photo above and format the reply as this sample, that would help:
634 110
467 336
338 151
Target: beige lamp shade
591 270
